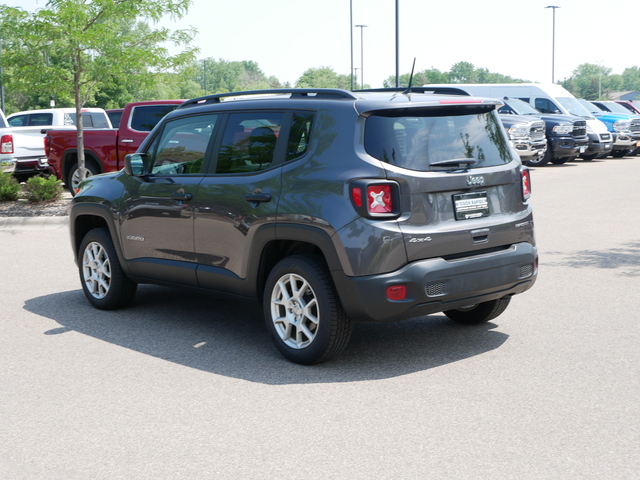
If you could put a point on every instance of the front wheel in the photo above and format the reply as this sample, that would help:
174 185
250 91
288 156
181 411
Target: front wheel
540 161
103 281
303 312
482 312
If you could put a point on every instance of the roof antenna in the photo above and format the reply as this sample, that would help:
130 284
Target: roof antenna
408 90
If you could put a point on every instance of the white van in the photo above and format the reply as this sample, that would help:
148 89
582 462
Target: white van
548 98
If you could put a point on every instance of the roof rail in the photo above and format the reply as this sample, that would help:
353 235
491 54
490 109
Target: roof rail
426 89
295 93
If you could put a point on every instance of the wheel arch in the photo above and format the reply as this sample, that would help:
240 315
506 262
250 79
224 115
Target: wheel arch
84 218
295 240
70 158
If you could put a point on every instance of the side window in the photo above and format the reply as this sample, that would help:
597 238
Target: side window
546 106
94 120
18 121
181 147
249 142
299 134
145 117
40 119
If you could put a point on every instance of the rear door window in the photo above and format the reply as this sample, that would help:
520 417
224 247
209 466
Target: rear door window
415 142
249 142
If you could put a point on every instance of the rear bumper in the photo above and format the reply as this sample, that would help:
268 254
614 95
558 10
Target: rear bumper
436 284
25 168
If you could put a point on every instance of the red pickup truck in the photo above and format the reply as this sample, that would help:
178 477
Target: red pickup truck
104 149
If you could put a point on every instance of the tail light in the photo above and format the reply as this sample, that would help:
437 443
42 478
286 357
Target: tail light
47 144
375 198
6 144
526 184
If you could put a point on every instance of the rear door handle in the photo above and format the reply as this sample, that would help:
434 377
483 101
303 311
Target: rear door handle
257 197
185 197
127 140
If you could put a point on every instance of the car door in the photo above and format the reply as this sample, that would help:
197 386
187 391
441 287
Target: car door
236 204
157 213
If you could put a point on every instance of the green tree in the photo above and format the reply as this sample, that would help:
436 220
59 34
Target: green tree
74 46
590 81
323 77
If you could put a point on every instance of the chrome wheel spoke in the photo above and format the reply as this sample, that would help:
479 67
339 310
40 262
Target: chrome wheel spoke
294 311
96 270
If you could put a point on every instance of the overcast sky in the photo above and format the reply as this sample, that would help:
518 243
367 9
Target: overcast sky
511 37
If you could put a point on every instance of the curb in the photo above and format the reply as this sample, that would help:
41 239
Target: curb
34 222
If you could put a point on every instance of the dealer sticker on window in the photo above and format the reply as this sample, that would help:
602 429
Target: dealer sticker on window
470 205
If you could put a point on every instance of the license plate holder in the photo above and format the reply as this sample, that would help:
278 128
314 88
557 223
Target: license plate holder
470 205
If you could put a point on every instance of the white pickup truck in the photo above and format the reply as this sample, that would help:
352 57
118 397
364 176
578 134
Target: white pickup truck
22 137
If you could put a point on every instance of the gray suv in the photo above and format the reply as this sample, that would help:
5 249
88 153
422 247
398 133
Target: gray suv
328 206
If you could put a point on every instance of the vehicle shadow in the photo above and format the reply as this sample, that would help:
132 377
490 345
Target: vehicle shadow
227 337
625 259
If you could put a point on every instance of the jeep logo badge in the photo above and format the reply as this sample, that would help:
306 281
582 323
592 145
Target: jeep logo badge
475 181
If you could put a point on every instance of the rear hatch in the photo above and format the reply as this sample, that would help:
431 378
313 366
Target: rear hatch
459 180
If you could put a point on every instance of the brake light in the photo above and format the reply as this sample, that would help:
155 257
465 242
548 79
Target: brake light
6 144
375 198
379 199
47 144
526 184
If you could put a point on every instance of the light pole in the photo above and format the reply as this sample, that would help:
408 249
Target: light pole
553 44
362 27
351 33
397 43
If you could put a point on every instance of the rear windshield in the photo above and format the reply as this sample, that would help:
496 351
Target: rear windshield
415 142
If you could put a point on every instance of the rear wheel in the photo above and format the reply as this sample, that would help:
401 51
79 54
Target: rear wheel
73 178
302 311
103 281
560 161
482 312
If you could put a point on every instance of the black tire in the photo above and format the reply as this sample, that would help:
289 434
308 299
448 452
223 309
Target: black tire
618 153
302 311
560 161
588 158
103 281
541 161
72 178
480 313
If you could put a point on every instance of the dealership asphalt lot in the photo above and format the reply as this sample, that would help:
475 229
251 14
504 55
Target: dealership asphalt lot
181 385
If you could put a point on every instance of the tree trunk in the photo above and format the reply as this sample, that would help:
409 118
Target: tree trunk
79 125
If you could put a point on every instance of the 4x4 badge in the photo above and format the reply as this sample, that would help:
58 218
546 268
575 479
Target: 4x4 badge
475 181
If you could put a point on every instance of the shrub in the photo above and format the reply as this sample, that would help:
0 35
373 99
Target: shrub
9 187
41 189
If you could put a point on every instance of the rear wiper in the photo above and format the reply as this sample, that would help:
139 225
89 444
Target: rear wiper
454 162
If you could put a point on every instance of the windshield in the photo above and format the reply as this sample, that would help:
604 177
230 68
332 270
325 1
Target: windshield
590 106
417 142
521 107
617 108
574 107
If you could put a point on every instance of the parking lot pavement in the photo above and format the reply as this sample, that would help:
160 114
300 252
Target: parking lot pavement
187 385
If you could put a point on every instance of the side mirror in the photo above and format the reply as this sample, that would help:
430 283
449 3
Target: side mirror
134 164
